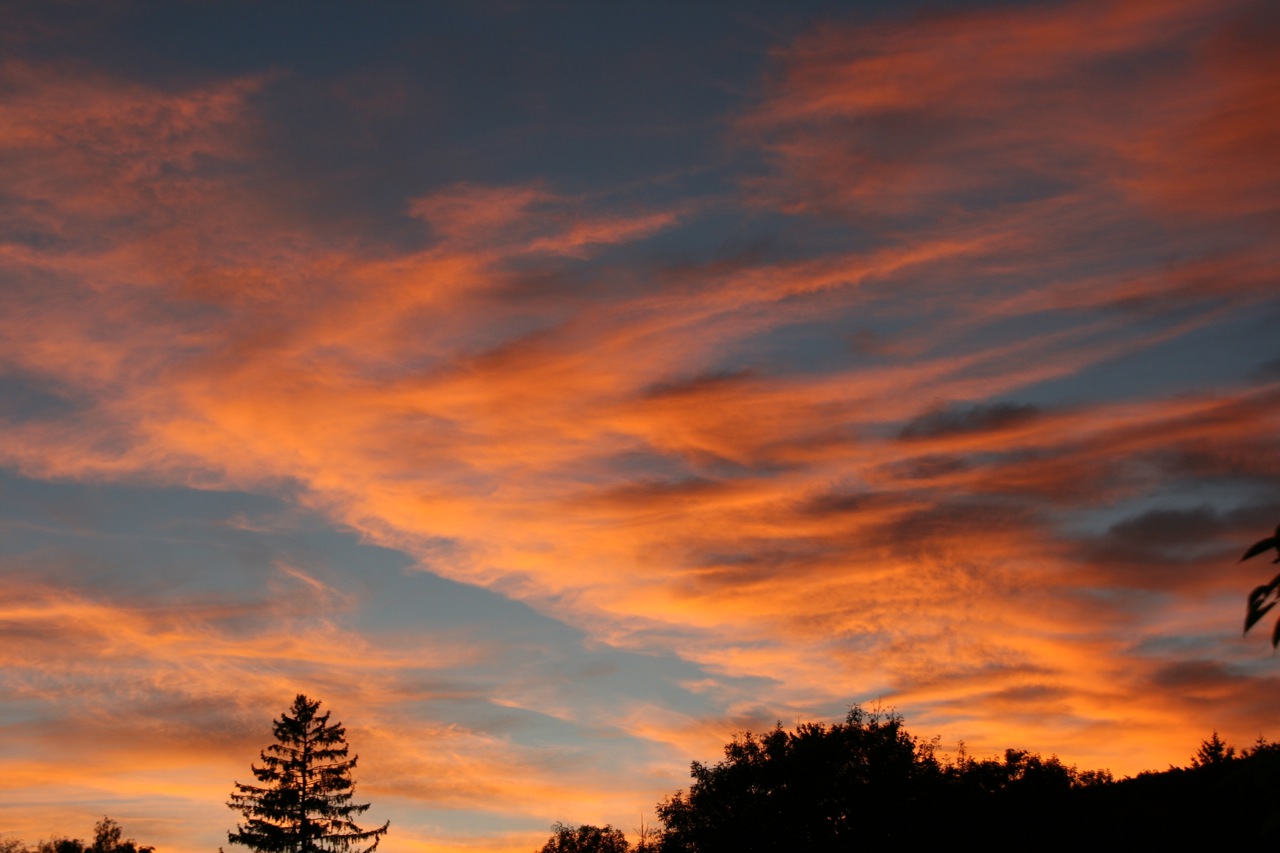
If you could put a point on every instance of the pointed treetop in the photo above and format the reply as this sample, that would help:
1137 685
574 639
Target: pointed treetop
304 802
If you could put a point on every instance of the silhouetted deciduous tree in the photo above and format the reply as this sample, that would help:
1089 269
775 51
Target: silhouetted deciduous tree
585 839
304 804
818 788
61 845
108 837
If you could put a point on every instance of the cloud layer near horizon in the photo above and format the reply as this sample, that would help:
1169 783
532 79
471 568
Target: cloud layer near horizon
969 408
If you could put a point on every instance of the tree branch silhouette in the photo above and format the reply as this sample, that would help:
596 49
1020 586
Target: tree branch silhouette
1258 605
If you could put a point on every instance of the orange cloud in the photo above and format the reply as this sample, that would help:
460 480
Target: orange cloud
462 213
971 111
527 219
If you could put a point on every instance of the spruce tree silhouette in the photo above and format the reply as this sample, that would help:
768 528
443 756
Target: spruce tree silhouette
305 803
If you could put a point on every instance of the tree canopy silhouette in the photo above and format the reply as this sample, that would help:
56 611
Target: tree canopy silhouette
811 789
304 804
108 837
585 839
828 788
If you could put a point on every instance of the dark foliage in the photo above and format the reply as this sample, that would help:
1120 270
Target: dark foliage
808 789
1265 596
866 782
586 839
108 837
304 804
1222 800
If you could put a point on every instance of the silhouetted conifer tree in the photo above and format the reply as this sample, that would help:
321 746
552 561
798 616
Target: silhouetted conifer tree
304 804
1212 752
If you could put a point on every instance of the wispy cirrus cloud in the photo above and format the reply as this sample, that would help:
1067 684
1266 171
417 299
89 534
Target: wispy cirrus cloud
520 219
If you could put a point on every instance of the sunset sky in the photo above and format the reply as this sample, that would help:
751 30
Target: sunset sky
554 389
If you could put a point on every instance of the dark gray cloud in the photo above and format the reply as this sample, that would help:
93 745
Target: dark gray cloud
928 466
25 397
1169 549
981 417
706 383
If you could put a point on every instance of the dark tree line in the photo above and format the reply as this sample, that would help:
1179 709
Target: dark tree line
863 781
304 803
108 837
867 782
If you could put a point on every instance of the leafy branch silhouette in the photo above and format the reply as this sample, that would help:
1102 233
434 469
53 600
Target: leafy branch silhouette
1258 603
